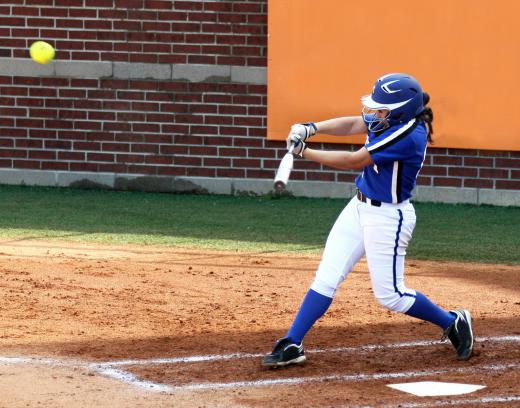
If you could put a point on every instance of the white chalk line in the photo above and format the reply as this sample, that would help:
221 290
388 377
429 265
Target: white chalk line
128 378
32 360
343 377
108 369
483 400
104 369
120 375
356 349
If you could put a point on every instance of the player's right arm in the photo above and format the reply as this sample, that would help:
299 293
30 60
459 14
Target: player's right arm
343 126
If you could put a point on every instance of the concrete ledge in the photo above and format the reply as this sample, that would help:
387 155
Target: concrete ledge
138 70
25 67
201 73
83 69
83 180
230 186
135 70
206 184
318 189
27 177
446 195
499 197
250 75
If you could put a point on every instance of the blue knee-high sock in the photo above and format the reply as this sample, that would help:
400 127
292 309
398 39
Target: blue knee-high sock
424 309
312 308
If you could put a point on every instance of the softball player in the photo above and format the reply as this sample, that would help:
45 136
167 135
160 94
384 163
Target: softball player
378 222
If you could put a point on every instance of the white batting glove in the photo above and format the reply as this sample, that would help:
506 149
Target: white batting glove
298 143
304 130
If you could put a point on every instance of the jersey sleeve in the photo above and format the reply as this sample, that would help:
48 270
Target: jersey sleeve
393 146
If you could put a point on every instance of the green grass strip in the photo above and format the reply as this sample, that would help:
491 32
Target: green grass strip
285 224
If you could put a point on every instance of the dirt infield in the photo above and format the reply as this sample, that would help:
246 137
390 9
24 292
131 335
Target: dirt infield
88 325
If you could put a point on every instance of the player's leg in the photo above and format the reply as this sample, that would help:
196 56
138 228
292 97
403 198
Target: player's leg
343 249
387 233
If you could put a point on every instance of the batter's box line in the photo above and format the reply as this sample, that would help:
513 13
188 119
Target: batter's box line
215 386
109 369
498 399
128 378
355 349
102 368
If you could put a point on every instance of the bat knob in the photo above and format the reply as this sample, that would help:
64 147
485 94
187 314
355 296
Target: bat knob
279 185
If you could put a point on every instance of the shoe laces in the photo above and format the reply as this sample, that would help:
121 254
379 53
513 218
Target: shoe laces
449 329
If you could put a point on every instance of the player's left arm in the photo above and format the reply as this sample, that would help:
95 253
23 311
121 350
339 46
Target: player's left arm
342 160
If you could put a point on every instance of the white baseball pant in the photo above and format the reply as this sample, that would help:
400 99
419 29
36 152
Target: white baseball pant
382 234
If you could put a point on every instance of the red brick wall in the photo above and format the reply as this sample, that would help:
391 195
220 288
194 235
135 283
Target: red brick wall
134 126
155 127
152 31
472 169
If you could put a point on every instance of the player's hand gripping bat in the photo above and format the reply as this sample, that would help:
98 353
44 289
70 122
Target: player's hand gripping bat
284 170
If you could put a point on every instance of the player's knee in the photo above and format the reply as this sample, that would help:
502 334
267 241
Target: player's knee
394 301
324 287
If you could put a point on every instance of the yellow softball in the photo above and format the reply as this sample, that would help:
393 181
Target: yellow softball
41 52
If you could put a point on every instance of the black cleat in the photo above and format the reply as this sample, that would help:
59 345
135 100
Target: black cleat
461 334
284 352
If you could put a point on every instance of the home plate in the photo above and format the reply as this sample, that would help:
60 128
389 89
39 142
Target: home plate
435 388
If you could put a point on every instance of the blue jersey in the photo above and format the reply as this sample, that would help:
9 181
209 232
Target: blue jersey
398 155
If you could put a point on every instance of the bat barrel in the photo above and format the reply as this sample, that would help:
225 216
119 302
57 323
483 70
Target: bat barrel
284 170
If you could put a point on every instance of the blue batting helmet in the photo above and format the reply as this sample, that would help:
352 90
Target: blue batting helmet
399 94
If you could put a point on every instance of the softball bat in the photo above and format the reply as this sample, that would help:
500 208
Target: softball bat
284 170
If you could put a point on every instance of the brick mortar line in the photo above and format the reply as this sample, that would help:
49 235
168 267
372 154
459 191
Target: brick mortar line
162 145
509 169
176 155
102 8
69 109
145 91
122 31
227 104
247 148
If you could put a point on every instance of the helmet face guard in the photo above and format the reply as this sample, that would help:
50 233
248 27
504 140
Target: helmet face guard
373 119
399 94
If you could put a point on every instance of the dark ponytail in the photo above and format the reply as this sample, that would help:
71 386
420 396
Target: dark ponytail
427 116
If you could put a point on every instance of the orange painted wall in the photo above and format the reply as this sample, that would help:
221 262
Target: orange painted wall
324 55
